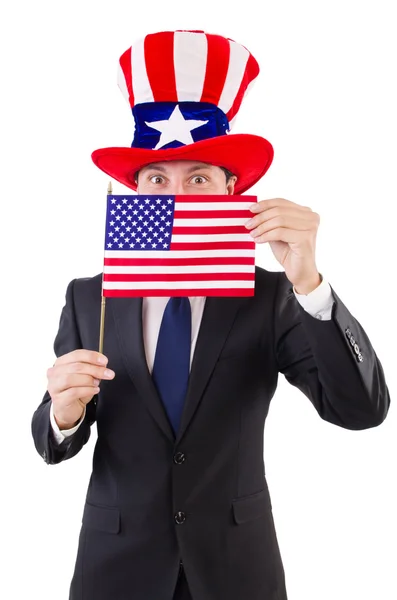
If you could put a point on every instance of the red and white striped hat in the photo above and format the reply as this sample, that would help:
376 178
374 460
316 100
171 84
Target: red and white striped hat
185 89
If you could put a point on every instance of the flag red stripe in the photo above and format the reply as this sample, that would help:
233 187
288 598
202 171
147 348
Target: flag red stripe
137 262
217 66
251 71
224 198
212 214
212 246
186 230
161 73
179 277
125 63
181 292
194 198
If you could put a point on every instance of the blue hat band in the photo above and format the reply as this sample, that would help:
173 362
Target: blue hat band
162 125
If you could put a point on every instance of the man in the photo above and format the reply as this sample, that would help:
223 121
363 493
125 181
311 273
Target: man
177 505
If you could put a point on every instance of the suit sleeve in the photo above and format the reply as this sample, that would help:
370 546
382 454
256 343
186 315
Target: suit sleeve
331 361
66 340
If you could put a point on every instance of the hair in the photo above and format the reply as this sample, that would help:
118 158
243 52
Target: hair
228 175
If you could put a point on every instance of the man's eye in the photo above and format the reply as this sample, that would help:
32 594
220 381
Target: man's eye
156 179
199 179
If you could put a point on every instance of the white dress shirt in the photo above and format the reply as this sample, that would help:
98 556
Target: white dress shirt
318 304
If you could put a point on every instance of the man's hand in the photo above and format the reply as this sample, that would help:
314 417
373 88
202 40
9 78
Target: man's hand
73 382
291 231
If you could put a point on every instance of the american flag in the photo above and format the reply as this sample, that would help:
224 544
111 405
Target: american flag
184 245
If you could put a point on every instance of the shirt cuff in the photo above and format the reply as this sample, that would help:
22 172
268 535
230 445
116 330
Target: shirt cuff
61 435
319 302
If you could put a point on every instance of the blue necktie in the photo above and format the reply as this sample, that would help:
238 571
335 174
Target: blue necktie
172 360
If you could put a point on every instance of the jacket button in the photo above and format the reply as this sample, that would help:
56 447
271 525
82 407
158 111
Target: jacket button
356 349
360 357
348 333
352 340
180 517
179 458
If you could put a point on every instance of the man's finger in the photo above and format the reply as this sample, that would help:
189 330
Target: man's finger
81 355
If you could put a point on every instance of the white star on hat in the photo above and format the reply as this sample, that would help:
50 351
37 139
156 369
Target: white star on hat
176 128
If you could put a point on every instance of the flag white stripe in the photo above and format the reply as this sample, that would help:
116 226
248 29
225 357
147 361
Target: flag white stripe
232 122
122 84
217 237
176 285
159 254
209 222
140 82
237 64
148 270
190 62
213 205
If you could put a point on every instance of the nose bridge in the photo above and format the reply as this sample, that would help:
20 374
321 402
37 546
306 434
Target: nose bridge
179 185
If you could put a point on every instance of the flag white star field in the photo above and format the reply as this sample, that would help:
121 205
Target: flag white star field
185 245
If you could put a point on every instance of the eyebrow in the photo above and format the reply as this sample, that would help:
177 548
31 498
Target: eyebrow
199 166
163 169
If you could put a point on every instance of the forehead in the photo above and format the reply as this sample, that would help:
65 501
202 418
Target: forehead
178 165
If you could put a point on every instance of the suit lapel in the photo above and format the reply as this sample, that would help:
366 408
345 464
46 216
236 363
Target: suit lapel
127 313
218 317
217 320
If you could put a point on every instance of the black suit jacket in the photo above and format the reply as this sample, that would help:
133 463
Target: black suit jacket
202 497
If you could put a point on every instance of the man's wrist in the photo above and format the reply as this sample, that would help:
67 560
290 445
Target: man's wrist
62 425
309 286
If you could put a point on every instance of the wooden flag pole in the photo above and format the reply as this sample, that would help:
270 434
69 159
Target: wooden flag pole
103 302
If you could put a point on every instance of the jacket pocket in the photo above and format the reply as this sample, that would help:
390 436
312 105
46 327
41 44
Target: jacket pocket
102 518
251 507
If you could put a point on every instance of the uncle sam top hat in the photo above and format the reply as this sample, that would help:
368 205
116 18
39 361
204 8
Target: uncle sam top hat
185 89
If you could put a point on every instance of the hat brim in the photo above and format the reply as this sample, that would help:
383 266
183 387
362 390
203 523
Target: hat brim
247 156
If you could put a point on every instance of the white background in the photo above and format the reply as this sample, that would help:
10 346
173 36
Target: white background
326 99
